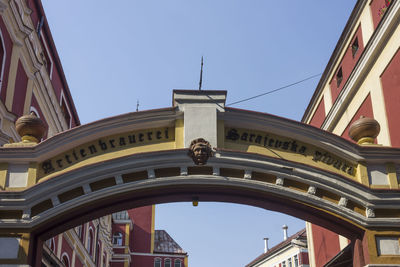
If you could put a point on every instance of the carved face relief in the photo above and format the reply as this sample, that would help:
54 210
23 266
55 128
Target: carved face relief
200 150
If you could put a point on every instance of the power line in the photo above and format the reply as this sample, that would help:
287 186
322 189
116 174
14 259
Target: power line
275 90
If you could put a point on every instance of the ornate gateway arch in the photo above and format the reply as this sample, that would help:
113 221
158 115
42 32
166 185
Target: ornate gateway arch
245 157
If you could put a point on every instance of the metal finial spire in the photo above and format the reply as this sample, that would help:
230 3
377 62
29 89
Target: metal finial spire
201 74
137 106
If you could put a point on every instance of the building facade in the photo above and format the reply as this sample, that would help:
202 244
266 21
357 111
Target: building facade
137 243
31 75
32 80
291 252
362 78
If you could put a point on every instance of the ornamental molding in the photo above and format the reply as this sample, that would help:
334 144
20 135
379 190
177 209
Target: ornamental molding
332 183
22 13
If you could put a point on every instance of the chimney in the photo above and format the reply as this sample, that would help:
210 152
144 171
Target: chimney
285 227
265 244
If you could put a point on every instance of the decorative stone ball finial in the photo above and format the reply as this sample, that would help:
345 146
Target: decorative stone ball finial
200 150
30 128
364 130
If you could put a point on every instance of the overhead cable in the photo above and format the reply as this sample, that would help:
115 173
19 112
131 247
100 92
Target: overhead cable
275 90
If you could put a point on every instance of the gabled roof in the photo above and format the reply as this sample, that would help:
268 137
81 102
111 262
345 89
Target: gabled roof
299 235
163 243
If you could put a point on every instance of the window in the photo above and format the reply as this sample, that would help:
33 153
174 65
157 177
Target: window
97 259
45 56
157 262
354 47
283 263
167 263
296 261
339 76
65 260
65 109
78 231
117 239
89 244
51 244
2 57
35 111
290 262
177 263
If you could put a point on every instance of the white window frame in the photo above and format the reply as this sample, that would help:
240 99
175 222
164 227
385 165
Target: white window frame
119 240
155 260
51 242
32 108
179 261
62 98
90 250
296 260
3 64
79 231
48 53
67 256
170 262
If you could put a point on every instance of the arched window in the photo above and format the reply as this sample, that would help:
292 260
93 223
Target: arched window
167 263
34 110
78 231
104 259
157 262
65 259
2 58
65 109
97 260
117 239
51 244
90 240
177 263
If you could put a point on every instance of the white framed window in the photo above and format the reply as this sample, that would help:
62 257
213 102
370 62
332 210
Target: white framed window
167 263
51 244
78 231
289 262
90 240
157 262
177 263
34 110
117 238
46 58
97 259
65 259
3 54
283 263
66 112
296 261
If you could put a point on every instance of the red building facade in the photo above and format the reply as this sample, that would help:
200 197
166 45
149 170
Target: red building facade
32 80
136 243
361 79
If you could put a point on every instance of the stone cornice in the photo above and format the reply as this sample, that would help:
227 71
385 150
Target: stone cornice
319 178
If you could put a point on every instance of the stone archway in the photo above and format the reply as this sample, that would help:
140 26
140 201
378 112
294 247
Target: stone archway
142 158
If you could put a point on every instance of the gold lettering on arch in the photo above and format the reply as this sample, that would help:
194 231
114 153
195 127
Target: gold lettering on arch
105 145
310 153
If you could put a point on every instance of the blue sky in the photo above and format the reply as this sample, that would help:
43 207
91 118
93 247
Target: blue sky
115 53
